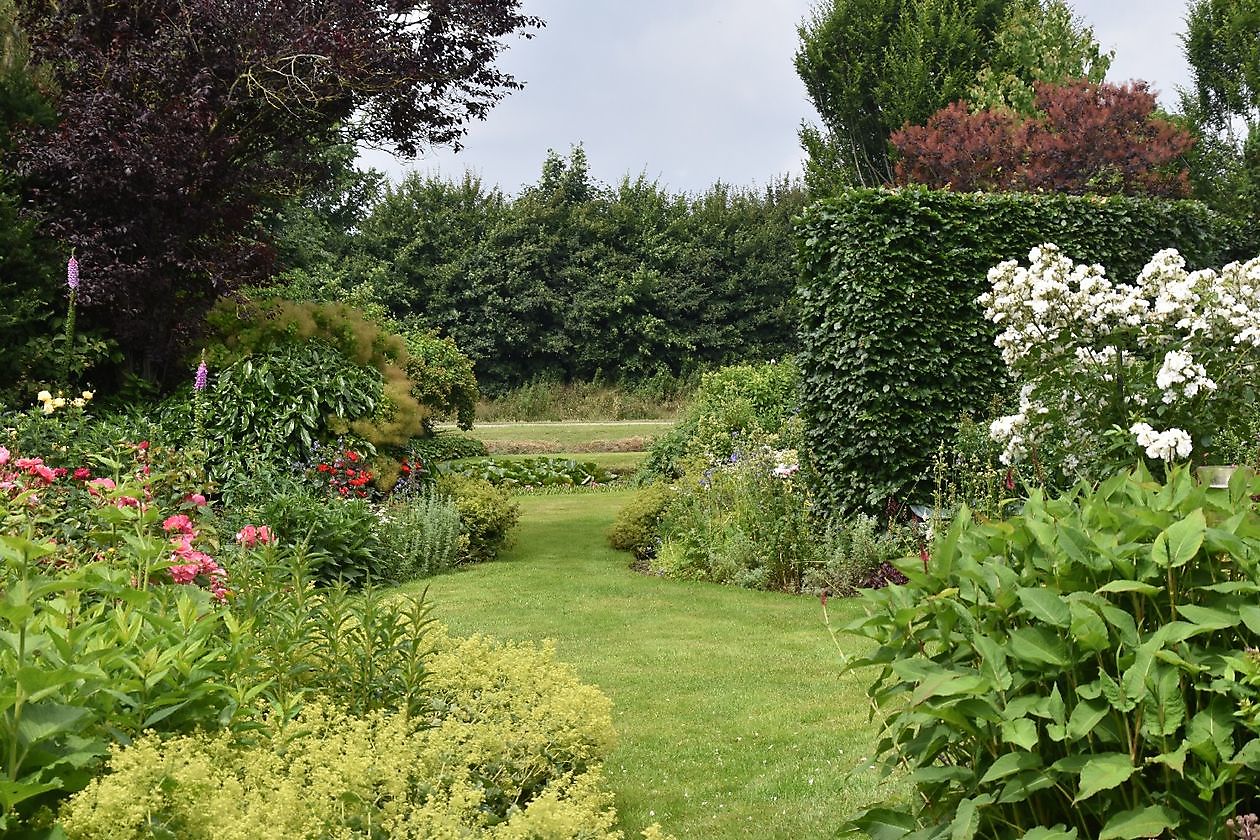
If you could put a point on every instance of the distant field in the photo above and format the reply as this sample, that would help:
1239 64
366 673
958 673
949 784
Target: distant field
545 438
618 462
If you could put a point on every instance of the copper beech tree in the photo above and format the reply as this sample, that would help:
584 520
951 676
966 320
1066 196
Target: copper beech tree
1083 138
179 121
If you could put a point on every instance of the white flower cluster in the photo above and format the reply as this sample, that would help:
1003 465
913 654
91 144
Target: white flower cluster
1017 431
1165 446
1093 355
1179 376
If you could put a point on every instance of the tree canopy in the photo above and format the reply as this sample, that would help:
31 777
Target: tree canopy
179 122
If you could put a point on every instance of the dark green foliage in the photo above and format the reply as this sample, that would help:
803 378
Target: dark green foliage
446 446
442 378
1088 666
339 537
487 515
893 346
576 280
637 526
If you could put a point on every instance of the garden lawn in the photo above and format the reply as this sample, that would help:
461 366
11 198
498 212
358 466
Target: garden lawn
734 719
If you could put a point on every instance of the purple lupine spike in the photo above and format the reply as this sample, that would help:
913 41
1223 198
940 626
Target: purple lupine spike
72 273
199 384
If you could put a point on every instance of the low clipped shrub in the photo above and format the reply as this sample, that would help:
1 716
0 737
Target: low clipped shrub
487 515
637 526
1084 669
510 747
420 536
340 537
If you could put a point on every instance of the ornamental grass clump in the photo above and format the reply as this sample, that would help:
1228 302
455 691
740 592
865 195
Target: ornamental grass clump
1107 370
1086 670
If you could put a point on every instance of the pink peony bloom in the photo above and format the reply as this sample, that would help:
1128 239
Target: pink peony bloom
252 535
28 463
5 455
45 473
126 502
82 474
97 486
179 522
197 499
186 573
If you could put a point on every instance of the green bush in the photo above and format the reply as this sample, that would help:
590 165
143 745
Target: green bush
442 378
420 536
446 446
340 537
856 554
894 346
487 515
1085 669
730 402
510 748
637 526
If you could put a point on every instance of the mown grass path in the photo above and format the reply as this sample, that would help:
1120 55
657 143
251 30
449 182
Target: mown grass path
734 720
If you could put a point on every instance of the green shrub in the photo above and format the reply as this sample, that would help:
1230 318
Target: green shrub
442 378
510 748
340 537
1087 667
487 515
446 446
637 527
730 402
744 521
856 554
894 346
420 536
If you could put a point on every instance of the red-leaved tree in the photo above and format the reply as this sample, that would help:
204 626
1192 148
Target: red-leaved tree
180 120
1084 138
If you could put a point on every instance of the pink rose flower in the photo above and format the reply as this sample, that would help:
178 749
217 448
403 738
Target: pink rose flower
4 456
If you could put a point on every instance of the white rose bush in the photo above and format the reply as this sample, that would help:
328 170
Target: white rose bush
1110 371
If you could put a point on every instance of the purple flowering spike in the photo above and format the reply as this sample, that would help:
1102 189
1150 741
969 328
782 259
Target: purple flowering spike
199 383
72 273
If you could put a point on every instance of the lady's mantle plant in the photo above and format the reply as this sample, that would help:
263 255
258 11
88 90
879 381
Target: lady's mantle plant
1102 366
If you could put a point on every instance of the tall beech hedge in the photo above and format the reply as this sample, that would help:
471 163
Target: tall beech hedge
893 345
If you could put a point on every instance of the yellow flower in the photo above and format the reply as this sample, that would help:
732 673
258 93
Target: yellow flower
43 396
87 395
60 402
79 402
48 408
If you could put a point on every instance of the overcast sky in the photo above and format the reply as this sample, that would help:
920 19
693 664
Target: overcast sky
690 92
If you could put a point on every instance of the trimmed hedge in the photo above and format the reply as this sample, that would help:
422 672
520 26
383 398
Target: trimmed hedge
893 345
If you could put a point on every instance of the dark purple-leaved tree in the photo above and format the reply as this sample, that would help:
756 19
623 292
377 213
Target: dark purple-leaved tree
180 120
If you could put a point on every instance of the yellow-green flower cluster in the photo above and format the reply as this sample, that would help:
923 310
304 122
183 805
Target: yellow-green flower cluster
51 404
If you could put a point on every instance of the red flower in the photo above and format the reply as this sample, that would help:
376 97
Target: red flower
82 474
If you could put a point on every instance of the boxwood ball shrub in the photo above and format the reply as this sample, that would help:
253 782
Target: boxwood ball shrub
894 347
487 515
1085 670
510 746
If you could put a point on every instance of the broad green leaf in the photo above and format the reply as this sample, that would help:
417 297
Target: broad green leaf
993 662
1165 707
1250 615
1249 755
1210 733
1021 732
1045 605
1057 832
1010 763
1208 618
1181 540
1038 645
12 793
41 721
1104 772
884 824
1085 716
1151 821
1175 759
1087 628
966 821
1129 586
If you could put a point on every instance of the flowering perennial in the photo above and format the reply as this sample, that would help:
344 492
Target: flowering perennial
1166 357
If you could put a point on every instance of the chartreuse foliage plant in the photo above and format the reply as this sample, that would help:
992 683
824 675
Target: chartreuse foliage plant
510 746
1085 669
895 347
